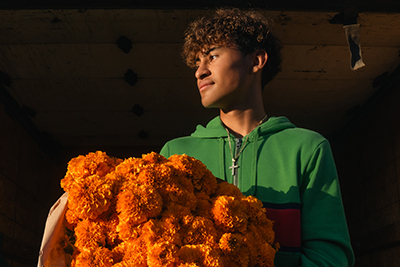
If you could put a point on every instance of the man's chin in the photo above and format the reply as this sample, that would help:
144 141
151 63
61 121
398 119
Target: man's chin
208 106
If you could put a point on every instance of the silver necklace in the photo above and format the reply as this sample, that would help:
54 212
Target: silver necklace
235 166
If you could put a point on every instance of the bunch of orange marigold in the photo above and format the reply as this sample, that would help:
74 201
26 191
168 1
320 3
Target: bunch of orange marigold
153 211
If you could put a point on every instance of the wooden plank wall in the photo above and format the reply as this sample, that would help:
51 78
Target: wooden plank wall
29 185
66 66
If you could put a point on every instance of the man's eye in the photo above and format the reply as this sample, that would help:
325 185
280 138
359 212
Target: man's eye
212 57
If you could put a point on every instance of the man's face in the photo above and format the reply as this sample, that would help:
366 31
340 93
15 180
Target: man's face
224 77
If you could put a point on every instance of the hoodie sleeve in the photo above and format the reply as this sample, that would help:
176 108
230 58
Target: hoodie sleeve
325 237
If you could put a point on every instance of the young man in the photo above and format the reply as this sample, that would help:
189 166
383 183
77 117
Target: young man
291 170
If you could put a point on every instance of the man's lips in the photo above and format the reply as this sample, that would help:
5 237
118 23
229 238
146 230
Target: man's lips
204 84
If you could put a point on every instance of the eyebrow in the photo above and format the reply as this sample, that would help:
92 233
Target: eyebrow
210 50
197 59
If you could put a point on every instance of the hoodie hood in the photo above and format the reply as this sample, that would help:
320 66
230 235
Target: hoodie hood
212 146
215 129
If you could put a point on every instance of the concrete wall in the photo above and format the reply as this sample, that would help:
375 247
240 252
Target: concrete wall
29 185
368 162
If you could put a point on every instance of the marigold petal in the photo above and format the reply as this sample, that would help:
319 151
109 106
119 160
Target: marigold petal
229 214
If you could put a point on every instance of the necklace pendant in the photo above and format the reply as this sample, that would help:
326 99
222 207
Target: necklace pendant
234 169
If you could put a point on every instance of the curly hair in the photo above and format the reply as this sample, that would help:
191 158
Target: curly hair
249 30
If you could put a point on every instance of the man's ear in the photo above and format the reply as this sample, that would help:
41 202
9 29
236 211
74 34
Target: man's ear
259 60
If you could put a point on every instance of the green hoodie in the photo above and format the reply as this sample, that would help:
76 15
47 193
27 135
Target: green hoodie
292 171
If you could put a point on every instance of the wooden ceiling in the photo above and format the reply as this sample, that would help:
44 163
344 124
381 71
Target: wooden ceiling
77 85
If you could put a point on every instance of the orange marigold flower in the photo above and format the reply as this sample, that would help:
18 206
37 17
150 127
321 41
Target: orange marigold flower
262 253
171 230
89 235
154 157
183 182
136 204
157 175
202 255
67 182
110 224
229 214
133 253
167 229
91 196
71 219
231 243
129 169
262 232
116 181
235 249
177 210
255 209
204 205
97 163
177 195
162 254
199 230
189 264
94 258
118 252
201 178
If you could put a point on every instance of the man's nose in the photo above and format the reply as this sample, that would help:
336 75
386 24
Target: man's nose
202 71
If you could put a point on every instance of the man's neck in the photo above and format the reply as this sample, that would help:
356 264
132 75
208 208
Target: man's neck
242 122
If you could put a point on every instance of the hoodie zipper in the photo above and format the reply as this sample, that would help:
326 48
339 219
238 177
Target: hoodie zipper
237 149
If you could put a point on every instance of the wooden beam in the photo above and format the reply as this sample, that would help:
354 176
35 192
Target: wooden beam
286 5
